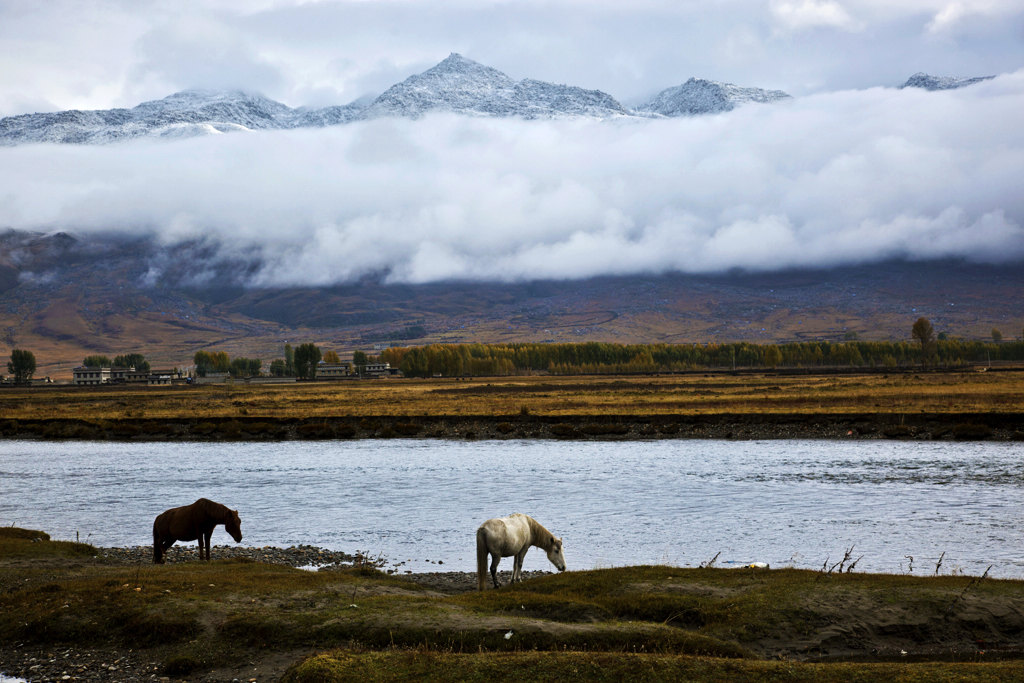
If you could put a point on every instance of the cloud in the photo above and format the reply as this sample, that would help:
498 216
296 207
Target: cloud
840 178
804 14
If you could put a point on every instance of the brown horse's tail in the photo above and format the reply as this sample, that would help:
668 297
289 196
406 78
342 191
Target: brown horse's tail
481 559
158 555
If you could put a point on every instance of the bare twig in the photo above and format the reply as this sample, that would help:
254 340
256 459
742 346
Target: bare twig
910 566
970 584
711 562
939 563
840 563
854 564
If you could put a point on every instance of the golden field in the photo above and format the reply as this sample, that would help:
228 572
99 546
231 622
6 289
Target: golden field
627 396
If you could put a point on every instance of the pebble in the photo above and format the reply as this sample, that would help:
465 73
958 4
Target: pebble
294 556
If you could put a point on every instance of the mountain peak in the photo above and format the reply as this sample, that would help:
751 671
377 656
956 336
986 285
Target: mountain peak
929 82
702 96
461 85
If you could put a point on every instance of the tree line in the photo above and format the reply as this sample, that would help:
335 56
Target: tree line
300 362
455 360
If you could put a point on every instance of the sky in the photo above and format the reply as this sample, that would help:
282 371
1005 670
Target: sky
850 170
97 54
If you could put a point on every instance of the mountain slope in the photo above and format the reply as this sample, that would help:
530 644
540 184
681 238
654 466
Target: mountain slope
929 82
698 96
65 297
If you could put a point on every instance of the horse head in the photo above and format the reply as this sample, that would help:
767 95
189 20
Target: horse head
555 555
233 526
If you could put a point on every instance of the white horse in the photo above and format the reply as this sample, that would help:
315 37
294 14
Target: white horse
512 536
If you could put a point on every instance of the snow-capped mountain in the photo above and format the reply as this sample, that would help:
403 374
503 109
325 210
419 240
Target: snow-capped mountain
456 84
699 96
929 82
183 114
463 86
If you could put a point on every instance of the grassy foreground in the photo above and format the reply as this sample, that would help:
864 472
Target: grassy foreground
225 619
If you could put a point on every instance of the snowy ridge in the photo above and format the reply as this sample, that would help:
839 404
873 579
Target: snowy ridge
462 86
929 82
455 85
698 96
184 114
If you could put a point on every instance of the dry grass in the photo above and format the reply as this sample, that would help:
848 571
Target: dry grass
939 392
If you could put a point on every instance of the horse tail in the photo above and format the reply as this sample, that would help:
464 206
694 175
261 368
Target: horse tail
157 555
481 558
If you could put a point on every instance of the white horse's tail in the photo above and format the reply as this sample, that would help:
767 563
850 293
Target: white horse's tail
481 558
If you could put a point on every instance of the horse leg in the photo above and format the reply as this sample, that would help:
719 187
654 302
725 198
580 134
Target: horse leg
165 544
495 559
204 541
517 571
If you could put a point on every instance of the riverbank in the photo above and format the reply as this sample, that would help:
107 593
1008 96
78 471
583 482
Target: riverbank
995 426
70 611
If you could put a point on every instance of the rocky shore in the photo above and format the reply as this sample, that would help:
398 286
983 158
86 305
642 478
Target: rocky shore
305 556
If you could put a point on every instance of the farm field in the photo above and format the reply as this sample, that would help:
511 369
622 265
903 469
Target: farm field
693 394
928 405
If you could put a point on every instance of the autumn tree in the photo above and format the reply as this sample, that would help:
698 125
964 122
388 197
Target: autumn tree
132 360
997 336
22 365
211 361
923 332
245 367
772 356
331 357
289 360
306 358
359 361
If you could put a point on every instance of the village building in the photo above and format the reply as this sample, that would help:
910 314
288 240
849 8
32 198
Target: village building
380 370
332 370
90 375
85 374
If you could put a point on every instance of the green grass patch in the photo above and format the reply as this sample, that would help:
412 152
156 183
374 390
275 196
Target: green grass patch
563 666
29 543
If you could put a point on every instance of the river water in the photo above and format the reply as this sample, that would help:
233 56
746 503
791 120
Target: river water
788 503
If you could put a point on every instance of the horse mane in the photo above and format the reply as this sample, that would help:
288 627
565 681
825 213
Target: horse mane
542 538
214 509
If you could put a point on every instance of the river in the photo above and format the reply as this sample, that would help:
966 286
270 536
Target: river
788 503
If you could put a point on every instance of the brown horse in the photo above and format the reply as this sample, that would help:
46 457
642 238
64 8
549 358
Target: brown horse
192 522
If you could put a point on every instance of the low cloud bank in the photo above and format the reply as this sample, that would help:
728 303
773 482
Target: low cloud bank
840 178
